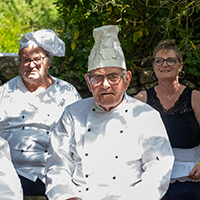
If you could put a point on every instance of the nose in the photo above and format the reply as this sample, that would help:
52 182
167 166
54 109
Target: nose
32 64
165 63
105 83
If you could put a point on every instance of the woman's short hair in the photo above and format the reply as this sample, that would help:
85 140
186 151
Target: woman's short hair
168 44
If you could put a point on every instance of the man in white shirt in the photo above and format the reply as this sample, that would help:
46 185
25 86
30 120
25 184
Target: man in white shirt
30 106
110 146
10 187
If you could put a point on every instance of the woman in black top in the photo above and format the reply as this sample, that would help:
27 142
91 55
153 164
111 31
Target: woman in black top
179 107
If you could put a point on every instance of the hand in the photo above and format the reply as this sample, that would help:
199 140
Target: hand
195 173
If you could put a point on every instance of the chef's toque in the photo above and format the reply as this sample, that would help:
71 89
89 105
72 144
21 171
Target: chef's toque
106 51
47 39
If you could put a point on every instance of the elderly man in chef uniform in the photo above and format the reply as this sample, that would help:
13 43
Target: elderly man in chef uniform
30 106
110 146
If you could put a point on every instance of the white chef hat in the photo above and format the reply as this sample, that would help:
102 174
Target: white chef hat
106 51
47 39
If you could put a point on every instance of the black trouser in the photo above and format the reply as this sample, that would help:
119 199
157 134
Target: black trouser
31 188
182 191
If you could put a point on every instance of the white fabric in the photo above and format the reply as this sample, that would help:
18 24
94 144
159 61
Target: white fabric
26 122
116 155
47 39
10 187
106 51
185 156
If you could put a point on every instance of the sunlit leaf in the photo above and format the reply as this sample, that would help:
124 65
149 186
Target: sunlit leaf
73 45
76 35
135 36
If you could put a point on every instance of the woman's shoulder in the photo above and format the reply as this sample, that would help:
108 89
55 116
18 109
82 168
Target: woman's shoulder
142 96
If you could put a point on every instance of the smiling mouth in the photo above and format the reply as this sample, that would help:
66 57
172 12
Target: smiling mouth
165 70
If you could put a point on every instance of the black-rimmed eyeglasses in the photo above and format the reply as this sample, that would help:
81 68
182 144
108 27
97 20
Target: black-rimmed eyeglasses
170 61
36 60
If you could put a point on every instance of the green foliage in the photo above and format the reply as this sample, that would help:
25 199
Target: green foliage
18 17
142 23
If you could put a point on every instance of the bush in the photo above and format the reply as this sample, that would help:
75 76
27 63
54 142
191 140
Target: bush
142 23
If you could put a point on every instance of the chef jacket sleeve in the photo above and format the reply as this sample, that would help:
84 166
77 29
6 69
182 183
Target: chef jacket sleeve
10 187
157 161
60 166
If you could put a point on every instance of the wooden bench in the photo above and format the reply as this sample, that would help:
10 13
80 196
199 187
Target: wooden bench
35 198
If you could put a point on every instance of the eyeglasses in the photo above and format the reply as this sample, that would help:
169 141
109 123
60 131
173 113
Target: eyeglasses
113 79
169 61
36 60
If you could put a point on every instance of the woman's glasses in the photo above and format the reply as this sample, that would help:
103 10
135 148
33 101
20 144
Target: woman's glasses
169 61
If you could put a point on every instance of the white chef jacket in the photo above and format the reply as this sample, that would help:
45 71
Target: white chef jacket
117 155
10 186
26 122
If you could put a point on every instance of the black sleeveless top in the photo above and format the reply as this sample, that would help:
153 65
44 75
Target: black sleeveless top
180 122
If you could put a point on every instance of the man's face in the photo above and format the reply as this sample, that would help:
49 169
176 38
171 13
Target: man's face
34 64
105 93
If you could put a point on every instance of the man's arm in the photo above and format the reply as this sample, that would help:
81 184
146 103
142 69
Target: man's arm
10 187
157 160
60 165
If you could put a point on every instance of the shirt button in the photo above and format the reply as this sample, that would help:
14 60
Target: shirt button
23 116
89 129
22 150
46 151
86 175
47 132
93 109
87 189
23 128
126 110
114 177
121 131
116 157
86 154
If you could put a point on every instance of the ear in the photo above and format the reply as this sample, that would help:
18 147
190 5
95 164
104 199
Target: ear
181 66
88 82
128 79
49 61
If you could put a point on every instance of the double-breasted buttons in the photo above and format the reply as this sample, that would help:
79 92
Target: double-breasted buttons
114 177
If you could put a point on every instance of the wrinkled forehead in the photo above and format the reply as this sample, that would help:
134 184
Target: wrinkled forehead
32 51
106 70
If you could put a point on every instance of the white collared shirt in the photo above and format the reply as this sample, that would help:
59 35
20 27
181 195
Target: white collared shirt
10 187
26 122
118 154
